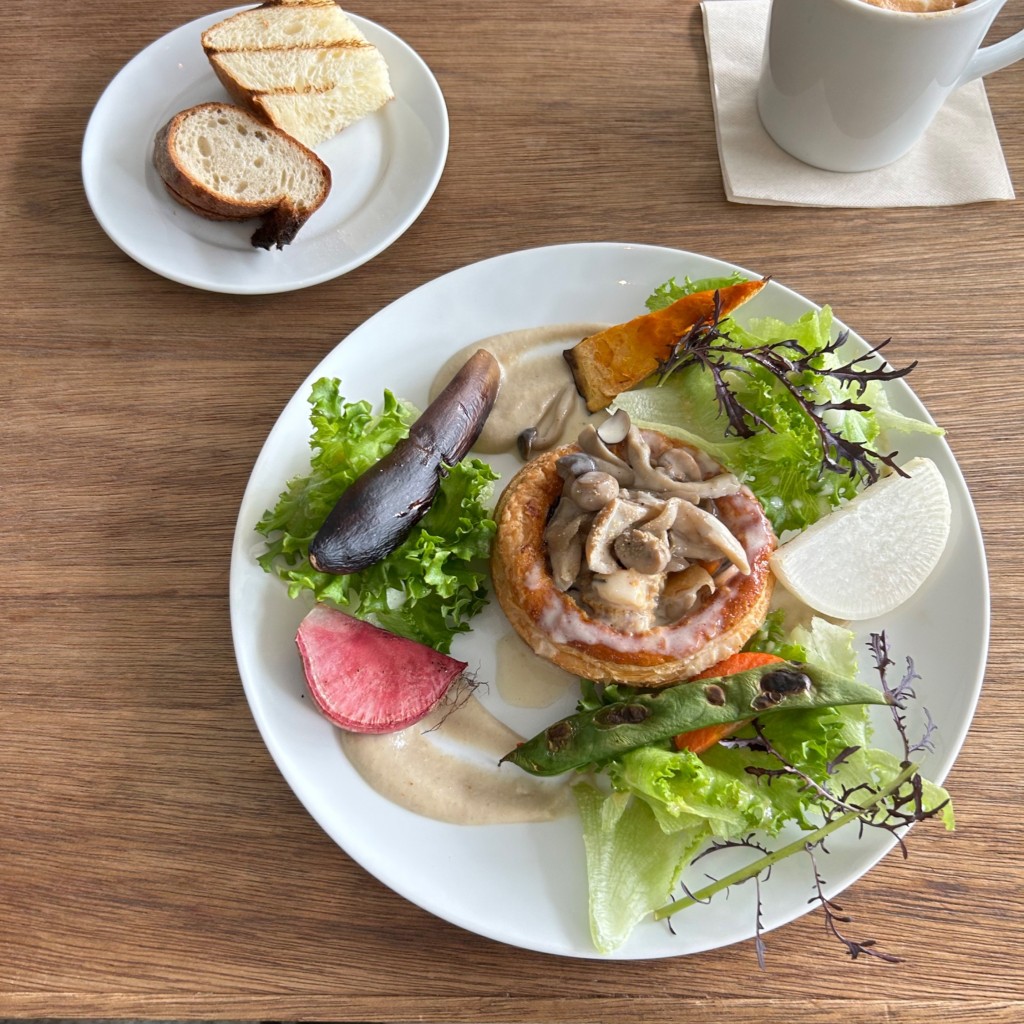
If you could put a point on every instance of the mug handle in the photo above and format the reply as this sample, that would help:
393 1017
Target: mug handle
992 58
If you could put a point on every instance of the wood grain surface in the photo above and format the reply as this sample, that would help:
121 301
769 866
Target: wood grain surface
153 862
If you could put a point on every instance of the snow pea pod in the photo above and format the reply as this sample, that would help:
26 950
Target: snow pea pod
594 736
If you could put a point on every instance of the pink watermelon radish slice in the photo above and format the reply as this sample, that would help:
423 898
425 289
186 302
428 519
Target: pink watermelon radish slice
365 679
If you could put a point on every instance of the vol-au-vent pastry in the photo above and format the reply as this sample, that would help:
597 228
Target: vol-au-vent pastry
632 557
301 65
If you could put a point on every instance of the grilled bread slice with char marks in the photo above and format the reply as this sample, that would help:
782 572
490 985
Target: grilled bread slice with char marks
303 66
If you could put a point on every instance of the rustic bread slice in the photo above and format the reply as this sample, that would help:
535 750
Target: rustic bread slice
303 66
222 163
314 117
277 25
309 69
333 87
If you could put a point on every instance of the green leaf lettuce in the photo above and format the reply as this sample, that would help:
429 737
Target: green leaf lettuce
665 803
429 587
782 461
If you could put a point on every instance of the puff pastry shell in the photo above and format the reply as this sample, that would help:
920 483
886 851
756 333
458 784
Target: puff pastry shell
560 630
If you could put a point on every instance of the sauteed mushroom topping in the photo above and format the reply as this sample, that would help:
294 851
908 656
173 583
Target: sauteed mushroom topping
683 591
564 537
643 551
615 428
571 466
593 490
626 599
590 441
617 516
635 539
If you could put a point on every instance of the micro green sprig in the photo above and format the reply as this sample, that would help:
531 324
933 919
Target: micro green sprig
891 806
709 345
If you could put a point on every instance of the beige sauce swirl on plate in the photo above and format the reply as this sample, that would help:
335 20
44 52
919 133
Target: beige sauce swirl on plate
534 377
527 681
445 767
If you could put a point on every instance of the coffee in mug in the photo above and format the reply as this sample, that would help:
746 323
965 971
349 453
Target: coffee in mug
851 85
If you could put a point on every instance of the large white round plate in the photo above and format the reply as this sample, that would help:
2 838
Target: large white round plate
524 884
385 168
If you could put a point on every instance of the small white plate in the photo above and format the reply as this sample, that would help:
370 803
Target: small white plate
526 884
385 169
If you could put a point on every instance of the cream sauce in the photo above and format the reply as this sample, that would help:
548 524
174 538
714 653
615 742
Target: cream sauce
533 375
445 767
527 681
561 622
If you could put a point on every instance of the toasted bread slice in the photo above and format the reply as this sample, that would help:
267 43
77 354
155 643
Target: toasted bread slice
279 25
303 66
222 163
315 116
617 359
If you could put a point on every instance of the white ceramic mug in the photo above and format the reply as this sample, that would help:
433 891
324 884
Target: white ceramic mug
848 86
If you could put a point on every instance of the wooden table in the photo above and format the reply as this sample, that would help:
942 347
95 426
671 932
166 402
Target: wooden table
153 863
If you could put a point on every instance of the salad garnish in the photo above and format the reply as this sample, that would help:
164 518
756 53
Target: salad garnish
709 345
891 805
436 580
651 811
768 436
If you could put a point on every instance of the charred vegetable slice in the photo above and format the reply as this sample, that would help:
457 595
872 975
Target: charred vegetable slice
595 736
380 509
617 359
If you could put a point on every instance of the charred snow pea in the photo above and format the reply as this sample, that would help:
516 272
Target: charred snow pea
592 737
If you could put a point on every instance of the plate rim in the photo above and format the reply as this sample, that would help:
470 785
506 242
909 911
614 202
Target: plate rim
242 545
95 139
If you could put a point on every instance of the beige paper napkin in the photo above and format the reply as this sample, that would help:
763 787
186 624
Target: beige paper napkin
958 160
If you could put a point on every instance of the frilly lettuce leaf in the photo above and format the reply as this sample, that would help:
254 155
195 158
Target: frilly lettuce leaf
672 290
782 461
771 638
827 645
429 587
664 800
685 791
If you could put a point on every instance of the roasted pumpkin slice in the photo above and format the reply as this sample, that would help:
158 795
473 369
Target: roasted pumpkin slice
618 358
